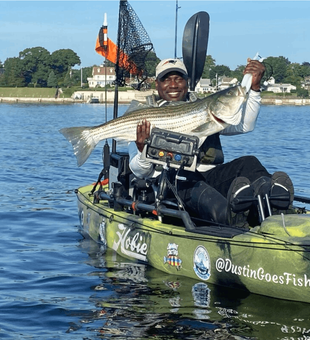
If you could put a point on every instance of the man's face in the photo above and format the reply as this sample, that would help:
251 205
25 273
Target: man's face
172 87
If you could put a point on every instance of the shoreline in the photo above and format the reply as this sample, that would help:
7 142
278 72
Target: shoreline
285 101
126 98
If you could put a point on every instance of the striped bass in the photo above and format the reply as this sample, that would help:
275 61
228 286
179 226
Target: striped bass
200 118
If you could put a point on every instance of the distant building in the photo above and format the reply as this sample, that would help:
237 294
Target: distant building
204 86
101 76
225 82
279 88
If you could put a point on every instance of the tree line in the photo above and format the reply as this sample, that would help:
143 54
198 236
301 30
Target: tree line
37 67
280 68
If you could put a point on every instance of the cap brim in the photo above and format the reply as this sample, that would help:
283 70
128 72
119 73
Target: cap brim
172 69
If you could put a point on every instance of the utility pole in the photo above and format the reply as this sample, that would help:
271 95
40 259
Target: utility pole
176 28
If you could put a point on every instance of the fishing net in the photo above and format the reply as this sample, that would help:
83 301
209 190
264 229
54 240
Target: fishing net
133 44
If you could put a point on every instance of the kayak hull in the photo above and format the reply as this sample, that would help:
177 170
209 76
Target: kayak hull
272 259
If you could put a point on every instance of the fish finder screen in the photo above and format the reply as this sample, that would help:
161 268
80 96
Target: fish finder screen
164 144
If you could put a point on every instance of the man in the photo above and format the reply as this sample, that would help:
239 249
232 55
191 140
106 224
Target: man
214 194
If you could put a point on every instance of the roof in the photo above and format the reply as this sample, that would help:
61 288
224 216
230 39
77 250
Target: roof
100 70
205 82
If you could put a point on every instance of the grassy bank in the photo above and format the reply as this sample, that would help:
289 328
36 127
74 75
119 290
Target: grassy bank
37 92
28 92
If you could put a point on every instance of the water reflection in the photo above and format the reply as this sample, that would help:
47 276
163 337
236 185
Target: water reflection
136 300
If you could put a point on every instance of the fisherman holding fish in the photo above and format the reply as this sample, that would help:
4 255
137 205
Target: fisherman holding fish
213 193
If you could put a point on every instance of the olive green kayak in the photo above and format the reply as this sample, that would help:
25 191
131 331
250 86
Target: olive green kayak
272 259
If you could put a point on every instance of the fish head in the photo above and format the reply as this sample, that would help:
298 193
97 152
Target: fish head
225 104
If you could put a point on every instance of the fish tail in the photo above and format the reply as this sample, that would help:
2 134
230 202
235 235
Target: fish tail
82 142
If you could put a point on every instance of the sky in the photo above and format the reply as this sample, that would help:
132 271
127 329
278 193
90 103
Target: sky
238 29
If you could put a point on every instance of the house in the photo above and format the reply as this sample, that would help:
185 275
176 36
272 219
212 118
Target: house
279 88
101 76
204 86
225 82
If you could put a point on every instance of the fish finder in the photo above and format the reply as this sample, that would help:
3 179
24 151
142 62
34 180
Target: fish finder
175 148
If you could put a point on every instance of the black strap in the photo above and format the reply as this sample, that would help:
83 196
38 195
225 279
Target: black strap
102 173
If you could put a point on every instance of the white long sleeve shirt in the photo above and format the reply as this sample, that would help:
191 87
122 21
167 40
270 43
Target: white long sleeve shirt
250 110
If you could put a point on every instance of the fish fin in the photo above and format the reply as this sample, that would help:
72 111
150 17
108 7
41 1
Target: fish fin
83 144
134 106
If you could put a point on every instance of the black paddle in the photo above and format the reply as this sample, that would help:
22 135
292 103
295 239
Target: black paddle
194 46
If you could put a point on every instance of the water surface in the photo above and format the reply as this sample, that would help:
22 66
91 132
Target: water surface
55 284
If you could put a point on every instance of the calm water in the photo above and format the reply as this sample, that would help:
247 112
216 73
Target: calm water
54 284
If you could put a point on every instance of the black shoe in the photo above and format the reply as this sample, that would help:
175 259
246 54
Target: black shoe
281 191
240 198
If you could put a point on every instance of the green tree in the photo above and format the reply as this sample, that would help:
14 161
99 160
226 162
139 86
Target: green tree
52 80
151 62
62 61
13 73
68 81
1 74
305 70
279 67
87 73
36 65
301 92
220 70
238 72
209 65
293 74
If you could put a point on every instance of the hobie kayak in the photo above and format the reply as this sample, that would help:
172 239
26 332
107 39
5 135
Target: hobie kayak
271 259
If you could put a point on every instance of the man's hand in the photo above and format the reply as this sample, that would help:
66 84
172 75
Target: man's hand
257 69
143 132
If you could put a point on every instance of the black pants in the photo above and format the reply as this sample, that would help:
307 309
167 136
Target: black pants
221 176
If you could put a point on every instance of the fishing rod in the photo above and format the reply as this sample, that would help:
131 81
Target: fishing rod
106 148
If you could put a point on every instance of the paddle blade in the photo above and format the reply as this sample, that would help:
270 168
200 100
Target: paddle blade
194 46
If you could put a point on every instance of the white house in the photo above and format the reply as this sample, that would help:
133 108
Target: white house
101 76
279 88
225 82
204 85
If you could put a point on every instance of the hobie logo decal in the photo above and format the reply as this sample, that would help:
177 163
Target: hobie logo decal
132 246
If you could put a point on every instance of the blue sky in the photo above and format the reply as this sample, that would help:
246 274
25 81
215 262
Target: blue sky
238 29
